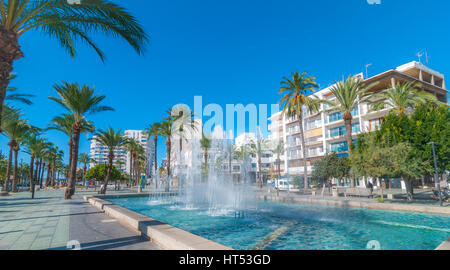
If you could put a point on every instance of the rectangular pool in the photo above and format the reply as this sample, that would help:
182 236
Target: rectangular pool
286 226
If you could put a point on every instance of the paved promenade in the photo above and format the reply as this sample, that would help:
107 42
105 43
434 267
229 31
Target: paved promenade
50 222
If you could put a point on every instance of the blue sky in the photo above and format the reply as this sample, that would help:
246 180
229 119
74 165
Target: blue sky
230 52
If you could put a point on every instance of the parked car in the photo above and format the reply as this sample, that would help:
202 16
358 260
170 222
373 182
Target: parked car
284 184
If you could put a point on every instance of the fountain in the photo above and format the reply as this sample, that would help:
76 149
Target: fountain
208 187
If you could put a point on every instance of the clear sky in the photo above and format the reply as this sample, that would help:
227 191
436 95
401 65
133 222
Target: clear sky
230 52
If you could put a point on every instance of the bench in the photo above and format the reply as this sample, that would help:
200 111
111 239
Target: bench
358 192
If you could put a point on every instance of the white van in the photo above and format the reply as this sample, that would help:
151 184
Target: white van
284 184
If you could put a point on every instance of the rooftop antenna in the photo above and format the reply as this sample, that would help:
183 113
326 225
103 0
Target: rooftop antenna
422 53
367 69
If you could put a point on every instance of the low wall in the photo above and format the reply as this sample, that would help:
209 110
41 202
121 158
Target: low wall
360 204
162 234
445 245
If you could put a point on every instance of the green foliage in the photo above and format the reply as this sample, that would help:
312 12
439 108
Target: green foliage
427 124
299 181
98 173
331 166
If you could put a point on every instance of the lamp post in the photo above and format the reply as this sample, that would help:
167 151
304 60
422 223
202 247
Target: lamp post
438 184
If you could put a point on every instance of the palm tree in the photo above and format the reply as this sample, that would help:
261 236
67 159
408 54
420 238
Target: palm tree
85 160
349 94
23 98
57 156
153 131
112 140
205 144
167 132
133 147
258 147
295 99
184 123
402 97
65 22
80 101
64 124
278 149
16 130
33 146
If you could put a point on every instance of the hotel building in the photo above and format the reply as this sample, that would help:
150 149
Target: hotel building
326 133
99 153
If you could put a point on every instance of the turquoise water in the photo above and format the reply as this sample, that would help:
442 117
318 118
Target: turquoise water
283 226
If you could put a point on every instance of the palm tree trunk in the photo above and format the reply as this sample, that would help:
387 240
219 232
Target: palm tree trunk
305 158
54 172
41 173
259 172
9 52
14 183
168 146
348 127
84 174
73 164
8 169
108 173
155 139
70 156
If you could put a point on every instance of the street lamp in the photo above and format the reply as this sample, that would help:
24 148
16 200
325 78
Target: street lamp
438 184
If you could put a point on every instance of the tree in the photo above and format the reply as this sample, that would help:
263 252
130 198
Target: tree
112 140
80 101
371 157
402 97
17 130
295 99
154 131
167 132
259 146
85 160
13 96
184 123
331 166
65 22
278 150
205 144
97 173
349 94
64 124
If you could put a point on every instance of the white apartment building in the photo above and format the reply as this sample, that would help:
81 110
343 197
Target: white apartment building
99 153
325 132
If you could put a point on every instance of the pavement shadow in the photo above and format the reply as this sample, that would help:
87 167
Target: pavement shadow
110 244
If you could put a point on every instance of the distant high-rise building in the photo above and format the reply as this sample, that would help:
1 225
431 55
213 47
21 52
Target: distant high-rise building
99 153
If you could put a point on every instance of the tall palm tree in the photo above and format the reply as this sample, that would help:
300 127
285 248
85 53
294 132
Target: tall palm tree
133 147
16 130
67 23
85 160
56 156
153 131
402 97
349 94
34 144
295 99
81 102
184 123
112 140
278 150
167 131
64 124
205 144
258 147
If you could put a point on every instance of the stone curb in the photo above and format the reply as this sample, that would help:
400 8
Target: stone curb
367 205
162 234
445 245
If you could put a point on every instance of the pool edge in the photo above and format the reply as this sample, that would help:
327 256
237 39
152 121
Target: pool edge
162 234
